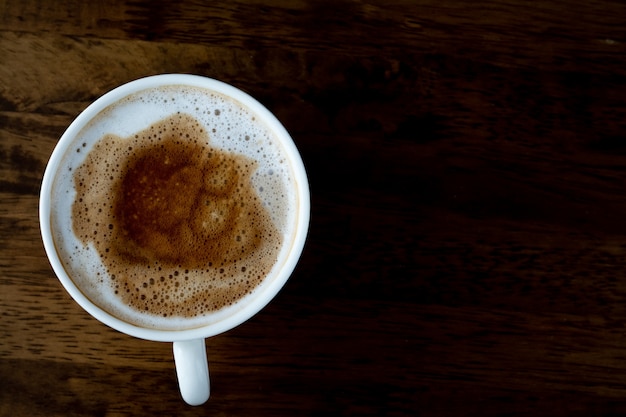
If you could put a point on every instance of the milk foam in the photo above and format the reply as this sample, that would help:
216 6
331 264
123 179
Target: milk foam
231 126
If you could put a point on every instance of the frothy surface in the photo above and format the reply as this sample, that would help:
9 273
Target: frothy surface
173 224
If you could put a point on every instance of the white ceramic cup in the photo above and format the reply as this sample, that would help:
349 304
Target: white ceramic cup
188 345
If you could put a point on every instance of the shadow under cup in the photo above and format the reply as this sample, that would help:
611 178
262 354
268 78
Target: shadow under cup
236 124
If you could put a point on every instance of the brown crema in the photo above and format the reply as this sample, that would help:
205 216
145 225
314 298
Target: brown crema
176 222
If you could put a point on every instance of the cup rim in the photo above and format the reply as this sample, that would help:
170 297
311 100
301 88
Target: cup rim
263 297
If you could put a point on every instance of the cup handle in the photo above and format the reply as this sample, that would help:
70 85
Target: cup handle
192 370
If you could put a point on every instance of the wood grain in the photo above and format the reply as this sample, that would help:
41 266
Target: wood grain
467 165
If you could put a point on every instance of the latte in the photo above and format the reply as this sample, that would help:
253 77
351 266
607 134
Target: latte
174 205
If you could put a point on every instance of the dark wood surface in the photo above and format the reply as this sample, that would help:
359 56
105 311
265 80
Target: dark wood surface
467 250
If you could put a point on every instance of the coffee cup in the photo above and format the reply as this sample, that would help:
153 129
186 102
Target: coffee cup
172 209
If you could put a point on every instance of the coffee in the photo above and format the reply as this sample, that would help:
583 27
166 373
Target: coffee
181 205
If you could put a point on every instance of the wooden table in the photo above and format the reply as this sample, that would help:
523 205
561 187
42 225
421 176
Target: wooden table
467 251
